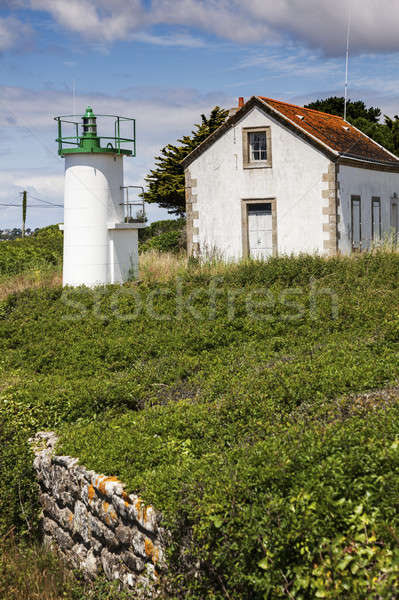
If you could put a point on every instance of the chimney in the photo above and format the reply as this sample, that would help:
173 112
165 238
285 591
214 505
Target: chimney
235 109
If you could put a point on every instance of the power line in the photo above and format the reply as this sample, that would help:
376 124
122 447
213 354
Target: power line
45 201
33 205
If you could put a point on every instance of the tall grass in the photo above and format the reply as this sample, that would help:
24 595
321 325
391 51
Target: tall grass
35 278
30 572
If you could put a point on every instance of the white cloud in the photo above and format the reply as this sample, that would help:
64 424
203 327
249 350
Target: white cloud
13 33
101 19
318 23
302 63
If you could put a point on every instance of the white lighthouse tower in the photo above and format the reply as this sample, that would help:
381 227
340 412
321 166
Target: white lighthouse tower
100 234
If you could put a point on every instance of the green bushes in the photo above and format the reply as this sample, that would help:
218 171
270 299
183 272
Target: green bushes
164 236
33 252
170 241
217 398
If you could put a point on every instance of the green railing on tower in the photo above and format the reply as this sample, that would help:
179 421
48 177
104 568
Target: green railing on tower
86 140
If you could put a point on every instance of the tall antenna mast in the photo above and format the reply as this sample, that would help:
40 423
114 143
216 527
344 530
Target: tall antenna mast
347 59
73 97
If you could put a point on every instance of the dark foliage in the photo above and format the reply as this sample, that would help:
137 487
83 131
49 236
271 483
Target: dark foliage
165 183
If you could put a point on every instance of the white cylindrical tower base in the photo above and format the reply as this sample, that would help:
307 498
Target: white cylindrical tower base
93 200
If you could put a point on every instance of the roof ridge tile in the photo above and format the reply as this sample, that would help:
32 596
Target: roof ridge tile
319 112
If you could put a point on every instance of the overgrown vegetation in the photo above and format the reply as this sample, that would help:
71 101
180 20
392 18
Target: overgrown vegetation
39 250
32 573
231 397
163 236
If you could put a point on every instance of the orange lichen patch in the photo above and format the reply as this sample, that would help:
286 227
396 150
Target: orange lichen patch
149 547
71 518
126 498
113 515
155 556
138 504
102 485
90 493
105 506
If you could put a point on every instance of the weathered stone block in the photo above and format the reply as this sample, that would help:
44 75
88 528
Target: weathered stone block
62 515
134 563
102 533
81 522
112 565
124 534
138 543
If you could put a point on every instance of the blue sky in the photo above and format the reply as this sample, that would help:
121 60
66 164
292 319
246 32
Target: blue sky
164 62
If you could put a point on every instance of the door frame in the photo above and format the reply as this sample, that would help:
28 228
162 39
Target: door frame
244 223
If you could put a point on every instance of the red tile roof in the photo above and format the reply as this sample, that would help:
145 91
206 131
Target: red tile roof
332 131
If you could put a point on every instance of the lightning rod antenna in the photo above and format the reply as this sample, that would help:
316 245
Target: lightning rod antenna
73 97
347 59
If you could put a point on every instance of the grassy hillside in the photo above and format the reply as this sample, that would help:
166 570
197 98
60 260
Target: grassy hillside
233 398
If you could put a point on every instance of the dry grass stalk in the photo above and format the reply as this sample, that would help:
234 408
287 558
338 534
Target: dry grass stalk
31 574
157 266
29 280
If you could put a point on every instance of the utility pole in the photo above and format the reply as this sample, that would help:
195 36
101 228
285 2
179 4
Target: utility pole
24 206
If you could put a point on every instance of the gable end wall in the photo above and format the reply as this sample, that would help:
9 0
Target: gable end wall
217 182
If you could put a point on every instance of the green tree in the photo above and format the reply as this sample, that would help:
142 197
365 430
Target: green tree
355 110
393 126
366 119
165 183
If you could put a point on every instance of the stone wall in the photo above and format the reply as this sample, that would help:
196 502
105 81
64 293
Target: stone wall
95 525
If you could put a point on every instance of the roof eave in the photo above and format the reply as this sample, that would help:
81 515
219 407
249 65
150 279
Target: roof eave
363 163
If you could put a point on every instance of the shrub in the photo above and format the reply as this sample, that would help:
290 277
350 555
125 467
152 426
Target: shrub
163 236
237 413
165 242
33 252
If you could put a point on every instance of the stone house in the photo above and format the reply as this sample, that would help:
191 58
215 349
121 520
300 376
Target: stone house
277 178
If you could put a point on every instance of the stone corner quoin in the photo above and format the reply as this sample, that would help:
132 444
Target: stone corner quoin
93 523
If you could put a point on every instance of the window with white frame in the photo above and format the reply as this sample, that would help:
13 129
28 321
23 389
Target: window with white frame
256 143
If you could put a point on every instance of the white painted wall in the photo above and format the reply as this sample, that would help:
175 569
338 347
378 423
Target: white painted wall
93 253
124 255
366 184
295 180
